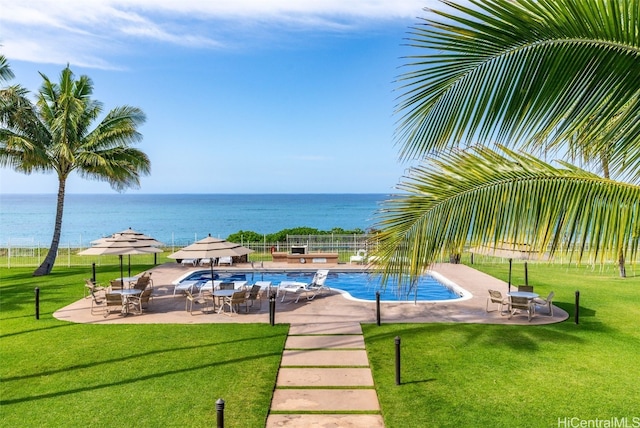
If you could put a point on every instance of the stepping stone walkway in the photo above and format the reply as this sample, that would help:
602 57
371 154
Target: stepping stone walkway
325 380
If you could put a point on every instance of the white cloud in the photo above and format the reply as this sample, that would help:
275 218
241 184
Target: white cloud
87 32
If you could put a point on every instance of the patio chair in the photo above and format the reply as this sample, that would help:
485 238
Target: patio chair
137 303
234 301
115 284
142 282
90 286
187 262
496 297
255 295
545 302
202 299
113 303
521 304
98 302
359 258
527 288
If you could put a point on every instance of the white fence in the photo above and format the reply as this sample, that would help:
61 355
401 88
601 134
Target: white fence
32 255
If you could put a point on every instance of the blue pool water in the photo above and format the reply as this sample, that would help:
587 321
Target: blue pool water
358 285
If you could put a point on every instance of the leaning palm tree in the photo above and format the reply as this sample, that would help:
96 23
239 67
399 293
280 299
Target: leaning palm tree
552 78
55 135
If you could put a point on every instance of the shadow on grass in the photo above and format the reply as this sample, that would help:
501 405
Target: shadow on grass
135 357
517 337
129 381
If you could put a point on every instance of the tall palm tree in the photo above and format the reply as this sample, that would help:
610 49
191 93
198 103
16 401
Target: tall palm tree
55 135
550 78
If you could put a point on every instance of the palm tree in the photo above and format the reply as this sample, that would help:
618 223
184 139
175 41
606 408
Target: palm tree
55 135
6 73
550 78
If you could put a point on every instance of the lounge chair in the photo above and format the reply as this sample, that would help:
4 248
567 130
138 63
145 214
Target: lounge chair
496 297
538 302
359 258
310 290
225 260
521 304
186 286
192 262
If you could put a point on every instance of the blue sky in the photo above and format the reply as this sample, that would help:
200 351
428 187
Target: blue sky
243 96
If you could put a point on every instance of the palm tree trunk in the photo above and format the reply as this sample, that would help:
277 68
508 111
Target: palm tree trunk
623 270
47 264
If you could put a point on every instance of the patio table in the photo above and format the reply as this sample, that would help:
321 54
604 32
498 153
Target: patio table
125 293
223 293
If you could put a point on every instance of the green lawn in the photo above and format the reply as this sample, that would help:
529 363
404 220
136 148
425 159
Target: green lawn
59 374
457 375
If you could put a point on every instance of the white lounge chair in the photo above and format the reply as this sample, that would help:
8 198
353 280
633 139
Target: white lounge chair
186 286
192 262
310 290
359 257
225 260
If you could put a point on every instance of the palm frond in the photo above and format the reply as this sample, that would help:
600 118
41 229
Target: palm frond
524 72
481 198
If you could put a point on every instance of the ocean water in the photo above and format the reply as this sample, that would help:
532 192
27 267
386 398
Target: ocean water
179 218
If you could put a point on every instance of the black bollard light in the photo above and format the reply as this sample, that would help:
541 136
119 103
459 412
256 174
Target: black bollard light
93 272
272 309
577 307
397 340
220 412
378 308
37 303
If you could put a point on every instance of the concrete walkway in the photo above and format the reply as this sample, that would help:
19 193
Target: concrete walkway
325 370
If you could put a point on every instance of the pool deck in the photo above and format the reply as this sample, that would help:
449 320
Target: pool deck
328 308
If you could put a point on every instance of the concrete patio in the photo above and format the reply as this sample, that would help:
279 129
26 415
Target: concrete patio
328 308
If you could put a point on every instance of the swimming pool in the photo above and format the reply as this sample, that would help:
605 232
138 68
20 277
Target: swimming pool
354 285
